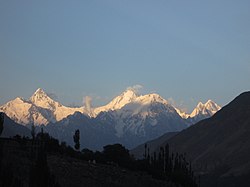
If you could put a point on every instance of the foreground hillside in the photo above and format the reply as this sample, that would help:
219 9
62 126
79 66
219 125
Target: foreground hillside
43 162
219 147
75 172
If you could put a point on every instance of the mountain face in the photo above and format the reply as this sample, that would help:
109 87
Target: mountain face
25 112
93 134
129 118
141 112
145 118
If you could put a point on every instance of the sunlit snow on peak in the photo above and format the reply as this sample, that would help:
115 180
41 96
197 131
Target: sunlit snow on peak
209 108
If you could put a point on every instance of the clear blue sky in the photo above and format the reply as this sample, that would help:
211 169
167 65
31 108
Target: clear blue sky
186 50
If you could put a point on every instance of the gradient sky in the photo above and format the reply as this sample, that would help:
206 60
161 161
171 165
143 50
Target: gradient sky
189 51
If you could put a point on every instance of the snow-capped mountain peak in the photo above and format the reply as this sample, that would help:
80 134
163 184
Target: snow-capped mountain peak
39 109
151 98
40 92
24 112
212 106
41 99
133 114
207 109
127 96
131 98
38 95
118 102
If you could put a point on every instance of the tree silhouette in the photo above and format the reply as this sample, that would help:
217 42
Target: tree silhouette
145 151
1 122
168 166
76 138
118 154
33 132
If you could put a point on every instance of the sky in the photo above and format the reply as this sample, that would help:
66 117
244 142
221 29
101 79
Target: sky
186 51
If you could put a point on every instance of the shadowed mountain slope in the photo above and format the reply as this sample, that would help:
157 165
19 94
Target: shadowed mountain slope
11 128
138 151
220 144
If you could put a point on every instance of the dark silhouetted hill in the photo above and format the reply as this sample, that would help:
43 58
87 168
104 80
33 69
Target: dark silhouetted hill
220 146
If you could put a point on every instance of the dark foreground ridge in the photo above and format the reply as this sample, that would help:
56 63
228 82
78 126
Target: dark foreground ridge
219 147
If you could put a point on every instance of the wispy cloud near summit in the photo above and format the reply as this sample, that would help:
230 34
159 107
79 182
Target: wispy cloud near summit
136 88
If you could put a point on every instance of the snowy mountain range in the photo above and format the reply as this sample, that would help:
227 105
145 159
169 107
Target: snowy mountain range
129 118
